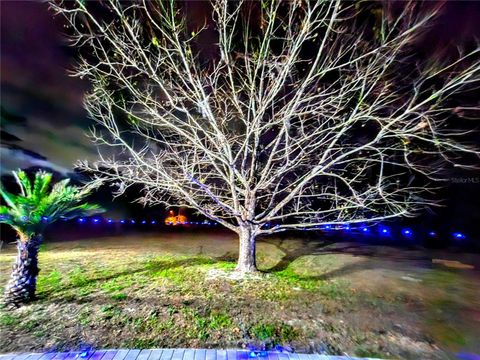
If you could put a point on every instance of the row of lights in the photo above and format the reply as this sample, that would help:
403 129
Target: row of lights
382 230
143 222
385 231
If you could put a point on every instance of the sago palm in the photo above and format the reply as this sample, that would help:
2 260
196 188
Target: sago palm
36 206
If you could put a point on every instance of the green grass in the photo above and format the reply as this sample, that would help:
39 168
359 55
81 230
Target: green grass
7 319
274 333
156 292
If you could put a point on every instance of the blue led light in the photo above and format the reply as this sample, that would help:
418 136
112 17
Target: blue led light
153 222
44 218
432 233
96 220
365 229
81 220
328 227
384 230
144 221
109 221
132 221
122 221
347 227
458 235
407 232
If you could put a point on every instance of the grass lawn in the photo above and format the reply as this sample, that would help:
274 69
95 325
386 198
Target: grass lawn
153 290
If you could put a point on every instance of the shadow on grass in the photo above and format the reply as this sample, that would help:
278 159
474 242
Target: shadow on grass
309 247
151 266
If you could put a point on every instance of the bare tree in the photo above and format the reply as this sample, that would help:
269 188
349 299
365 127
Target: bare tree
304 116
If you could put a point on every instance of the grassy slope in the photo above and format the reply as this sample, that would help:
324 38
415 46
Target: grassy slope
159 291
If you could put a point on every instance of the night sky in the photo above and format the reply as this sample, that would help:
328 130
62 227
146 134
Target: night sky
43 122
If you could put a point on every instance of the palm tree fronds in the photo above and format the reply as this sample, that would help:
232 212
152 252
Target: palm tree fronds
40 204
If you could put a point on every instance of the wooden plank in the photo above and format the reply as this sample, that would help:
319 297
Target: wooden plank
60 356
109 355
22 356
35 356
8 356
178 354
221 354
189 354
242 354
48 356
155 354
96 354
73 355
144 354
293 356
272 355
121 354
132 354
200 354
210 354
303 357
166 354
231 354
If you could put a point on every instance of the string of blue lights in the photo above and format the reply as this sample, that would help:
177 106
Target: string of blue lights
380 229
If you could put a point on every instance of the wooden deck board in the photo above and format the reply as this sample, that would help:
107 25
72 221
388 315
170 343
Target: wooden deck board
200 354
34 356
231 354
170 354
189 354
60 356
221 354
132 354
48 356
272 355
96 355
120 354
22 356
155 354
144 354
178 354
167 354
211 354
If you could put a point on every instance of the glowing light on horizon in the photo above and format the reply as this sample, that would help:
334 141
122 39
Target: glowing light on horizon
384 231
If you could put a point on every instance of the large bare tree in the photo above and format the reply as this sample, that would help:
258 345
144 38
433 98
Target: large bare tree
271 115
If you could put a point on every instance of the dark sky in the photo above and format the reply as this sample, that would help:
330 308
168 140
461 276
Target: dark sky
41 104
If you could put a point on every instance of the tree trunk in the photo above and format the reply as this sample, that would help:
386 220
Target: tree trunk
246 257
23 280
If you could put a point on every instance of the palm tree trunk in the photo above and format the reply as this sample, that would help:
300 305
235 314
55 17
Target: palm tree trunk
247 254
23 280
